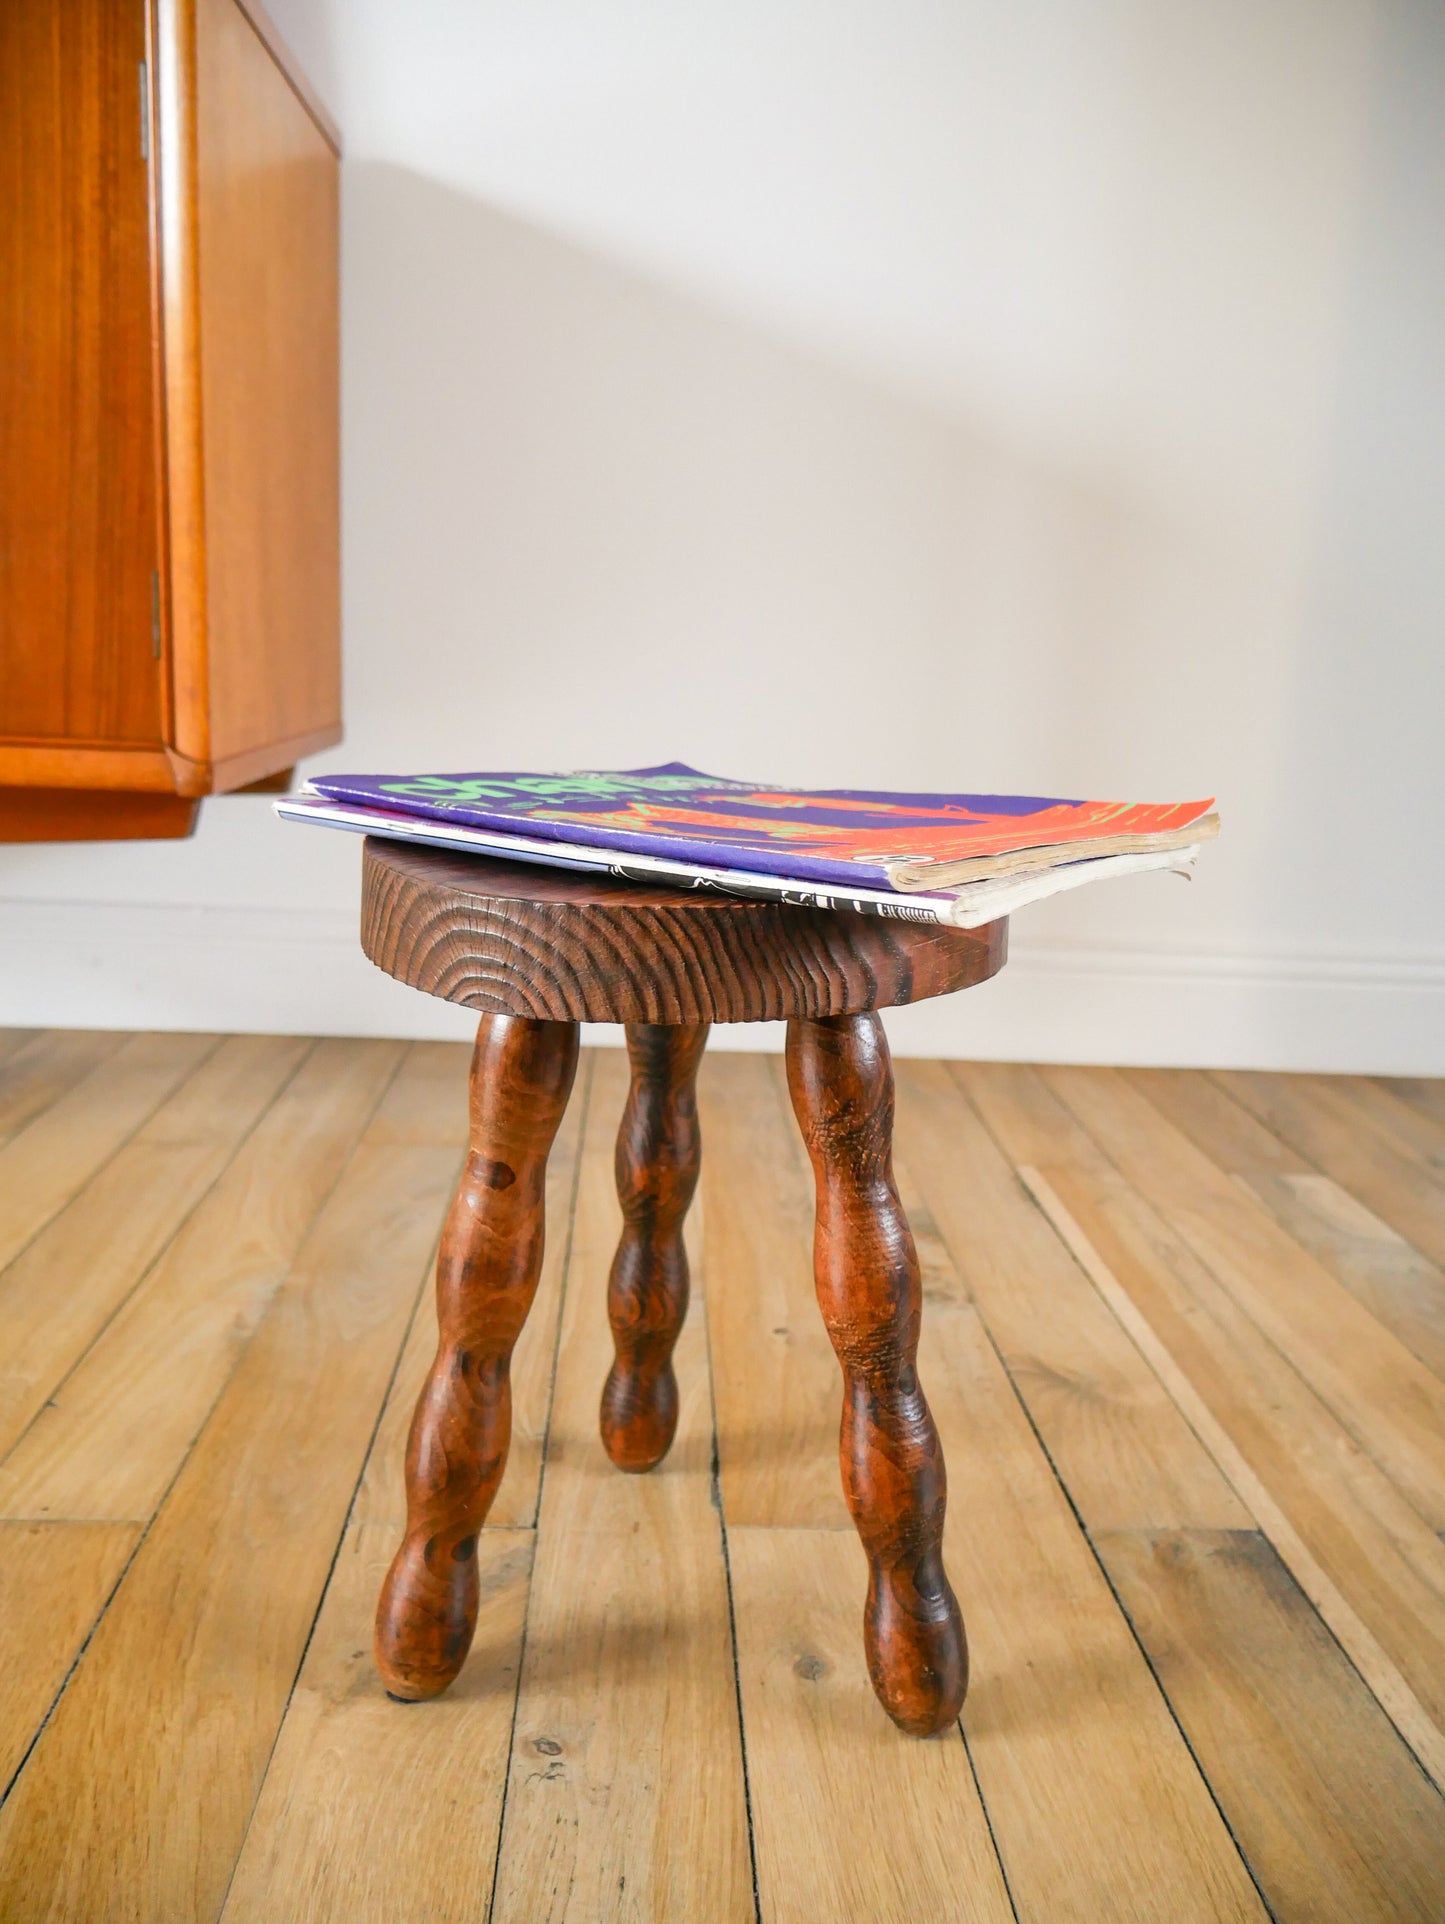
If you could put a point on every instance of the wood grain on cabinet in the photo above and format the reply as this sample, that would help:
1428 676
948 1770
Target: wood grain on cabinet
78 502
93 815
169 547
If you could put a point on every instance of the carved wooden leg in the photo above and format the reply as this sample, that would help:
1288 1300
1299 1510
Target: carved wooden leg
866 1270
658 1153
491 1255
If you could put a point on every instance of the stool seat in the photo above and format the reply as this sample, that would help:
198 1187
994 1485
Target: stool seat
566 946
537 951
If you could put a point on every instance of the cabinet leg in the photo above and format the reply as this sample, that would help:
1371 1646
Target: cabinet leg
866 1269
491 1255
658 1154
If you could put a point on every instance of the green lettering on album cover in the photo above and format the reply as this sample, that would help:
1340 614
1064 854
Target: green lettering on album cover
598 786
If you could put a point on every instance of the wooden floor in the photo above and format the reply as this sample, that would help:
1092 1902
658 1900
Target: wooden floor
1185 1341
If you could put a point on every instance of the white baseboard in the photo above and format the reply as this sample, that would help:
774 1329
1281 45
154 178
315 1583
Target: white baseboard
129 966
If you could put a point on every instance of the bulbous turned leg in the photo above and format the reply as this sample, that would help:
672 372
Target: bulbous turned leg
866 1269
658 1153
491 1255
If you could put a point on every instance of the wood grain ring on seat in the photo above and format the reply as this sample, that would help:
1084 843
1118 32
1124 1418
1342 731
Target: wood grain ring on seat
508 939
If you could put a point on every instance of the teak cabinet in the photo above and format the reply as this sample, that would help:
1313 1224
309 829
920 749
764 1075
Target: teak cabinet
169 543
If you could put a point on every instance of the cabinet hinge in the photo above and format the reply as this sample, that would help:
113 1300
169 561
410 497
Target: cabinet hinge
155 614
145 112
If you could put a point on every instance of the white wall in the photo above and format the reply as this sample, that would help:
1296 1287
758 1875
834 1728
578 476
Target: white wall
880 392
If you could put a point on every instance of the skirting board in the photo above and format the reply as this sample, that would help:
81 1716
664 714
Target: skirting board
103 965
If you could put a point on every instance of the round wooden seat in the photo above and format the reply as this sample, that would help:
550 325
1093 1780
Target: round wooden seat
542 942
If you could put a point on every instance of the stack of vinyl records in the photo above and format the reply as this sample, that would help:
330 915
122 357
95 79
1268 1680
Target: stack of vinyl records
960 860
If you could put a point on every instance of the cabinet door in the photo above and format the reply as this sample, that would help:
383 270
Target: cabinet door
78 503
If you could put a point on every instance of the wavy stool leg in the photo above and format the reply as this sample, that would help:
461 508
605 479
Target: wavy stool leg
658 1154
491 1255
841 1081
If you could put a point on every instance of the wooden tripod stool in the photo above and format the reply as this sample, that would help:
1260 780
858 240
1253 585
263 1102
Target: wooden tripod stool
538 951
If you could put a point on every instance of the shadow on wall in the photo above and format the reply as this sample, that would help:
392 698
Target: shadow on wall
590 517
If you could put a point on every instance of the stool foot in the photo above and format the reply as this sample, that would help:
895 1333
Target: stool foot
491 1255
866 1269
658 1154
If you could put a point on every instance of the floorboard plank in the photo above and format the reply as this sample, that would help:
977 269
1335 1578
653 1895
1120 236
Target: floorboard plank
1425 1094
1368 1561
429 1103
1333 1812
350 1765
158 1746
57 1295
111 1438
625 1797
1384 1396
1125 1454
377 1810
53 1157
1401 1288
1228 1133
1325 1123
896 1831
1418 1624
54 1580
13 1039
41 1064
1097 1807
779 1391
1414 1132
